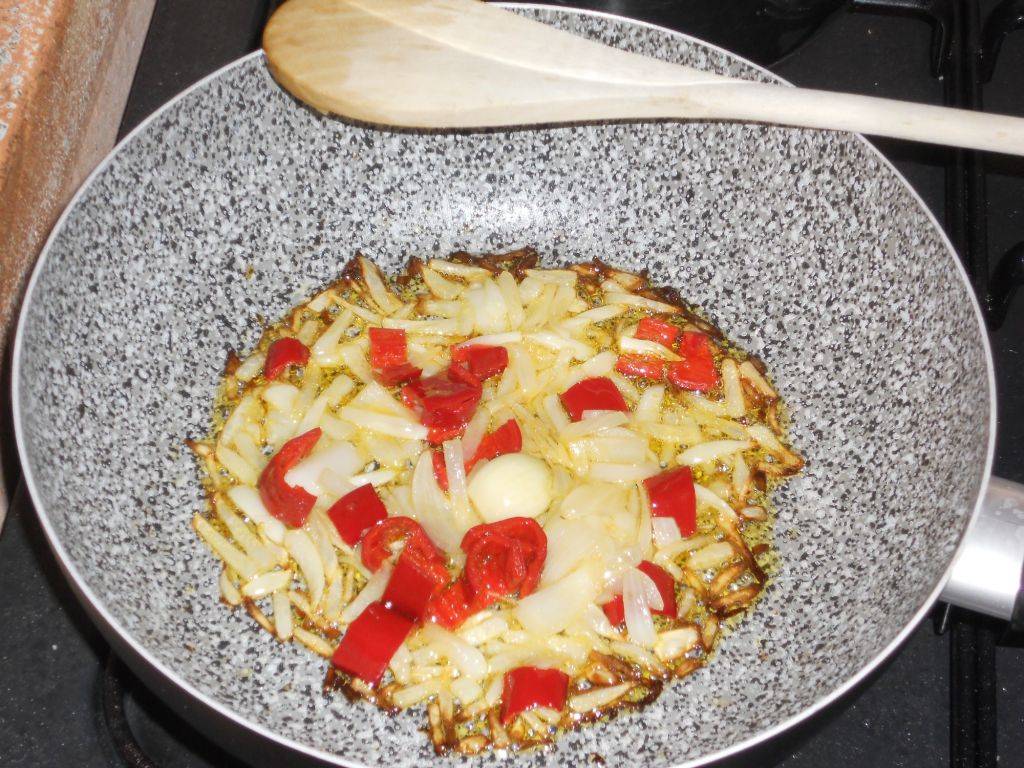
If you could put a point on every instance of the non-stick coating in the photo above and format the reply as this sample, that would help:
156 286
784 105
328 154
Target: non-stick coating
235 202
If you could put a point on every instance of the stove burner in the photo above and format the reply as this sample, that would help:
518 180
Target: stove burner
127 747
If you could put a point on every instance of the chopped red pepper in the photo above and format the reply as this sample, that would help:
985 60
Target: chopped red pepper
450 607
641 367
289 504
597 394
459 372
356 512
370 642
696 371
397 374
387 348
505 439
656 329
531 687
483 361
440 470
282 353
445 402
503 559
379 541
411 587
389 357
671 494
616 612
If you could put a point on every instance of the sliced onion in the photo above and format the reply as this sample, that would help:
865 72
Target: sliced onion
555 412
597 621
431 507
383 423
457 269
639 595
250 367
441 287
556 606
302 549
634 346
266 583
712 450
475 431
631 300
648 407
569 543
513 303
281 397
666 531
340 460
593 499
370 593
732 389
468 660
455 466
249 503
623 473
325 349
237 560
283 624
330 397
592 422
558 342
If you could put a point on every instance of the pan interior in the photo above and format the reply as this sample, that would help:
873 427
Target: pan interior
234 203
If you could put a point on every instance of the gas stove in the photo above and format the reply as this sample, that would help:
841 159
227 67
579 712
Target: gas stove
953 695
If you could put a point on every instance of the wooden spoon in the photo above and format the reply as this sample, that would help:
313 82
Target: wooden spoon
467 64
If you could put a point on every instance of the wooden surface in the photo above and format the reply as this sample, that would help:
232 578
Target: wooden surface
65 70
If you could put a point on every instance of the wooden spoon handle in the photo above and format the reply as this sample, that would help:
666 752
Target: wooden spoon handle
861 114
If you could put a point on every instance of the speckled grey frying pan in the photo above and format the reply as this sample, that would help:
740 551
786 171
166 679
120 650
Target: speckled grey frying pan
234 202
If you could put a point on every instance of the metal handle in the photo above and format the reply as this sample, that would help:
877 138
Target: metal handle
986 574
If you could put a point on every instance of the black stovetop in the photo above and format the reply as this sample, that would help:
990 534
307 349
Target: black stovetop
954 698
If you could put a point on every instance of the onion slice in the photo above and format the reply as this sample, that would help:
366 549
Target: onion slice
639 595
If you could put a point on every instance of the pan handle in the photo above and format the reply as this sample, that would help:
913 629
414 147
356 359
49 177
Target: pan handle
986 575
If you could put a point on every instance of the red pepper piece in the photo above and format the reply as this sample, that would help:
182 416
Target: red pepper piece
387 348
505 439
356 512
671 494
641 367
289 504
597 394
282 353
411 587
666 586
696 371
397 374
389 357
503 559
615 610
531 687
483 361
445 402
459 372
370 642
450 607
656 329
440 470
379 541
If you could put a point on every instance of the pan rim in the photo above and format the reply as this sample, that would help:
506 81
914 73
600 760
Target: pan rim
85 592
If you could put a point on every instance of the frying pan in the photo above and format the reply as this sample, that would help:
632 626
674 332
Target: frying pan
234 202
